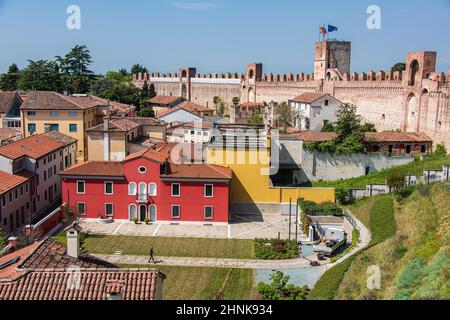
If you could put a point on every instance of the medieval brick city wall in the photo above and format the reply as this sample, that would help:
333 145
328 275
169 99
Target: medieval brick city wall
415 100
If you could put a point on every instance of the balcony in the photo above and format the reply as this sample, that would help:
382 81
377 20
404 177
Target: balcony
142 198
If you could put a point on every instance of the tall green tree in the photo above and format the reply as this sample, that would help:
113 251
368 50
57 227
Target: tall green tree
401 66
137 68
151 91
285 115
115 86
41 75
256 118
348 123
74 66
8 81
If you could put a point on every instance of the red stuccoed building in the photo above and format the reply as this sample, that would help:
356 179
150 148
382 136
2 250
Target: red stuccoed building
147 185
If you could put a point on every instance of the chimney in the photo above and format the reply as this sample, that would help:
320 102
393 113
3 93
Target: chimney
106 123
12 241
73 240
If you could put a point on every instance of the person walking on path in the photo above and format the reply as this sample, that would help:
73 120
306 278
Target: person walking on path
152 256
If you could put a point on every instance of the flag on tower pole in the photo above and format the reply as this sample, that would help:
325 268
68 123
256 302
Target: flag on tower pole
332 28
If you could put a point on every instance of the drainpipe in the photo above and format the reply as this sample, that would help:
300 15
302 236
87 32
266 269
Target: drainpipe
106 152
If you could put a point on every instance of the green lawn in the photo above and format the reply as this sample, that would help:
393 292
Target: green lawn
378 215
414 168
170 247
190 283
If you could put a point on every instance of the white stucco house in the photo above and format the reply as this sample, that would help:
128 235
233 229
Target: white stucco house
314 110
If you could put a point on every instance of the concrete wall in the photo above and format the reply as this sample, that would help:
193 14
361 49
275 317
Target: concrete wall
317 166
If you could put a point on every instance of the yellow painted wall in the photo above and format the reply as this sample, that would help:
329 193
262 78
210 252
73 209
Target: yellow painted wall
250 181
84 119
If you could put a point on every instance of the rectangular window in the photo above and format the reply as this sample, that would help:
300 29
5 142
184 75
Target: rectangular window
81 187
209 212
209 190
423 148
109 209
73 127
31 113
176 190
45 175
81 208
408 149
54 113
390 148
73 113
51 127
176 212
31 127
108 187
326 102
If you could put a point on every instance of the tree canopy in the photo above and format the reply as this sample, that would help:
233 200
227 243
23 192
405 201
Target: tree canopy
75 73
118 87
40 75
285 115
8 81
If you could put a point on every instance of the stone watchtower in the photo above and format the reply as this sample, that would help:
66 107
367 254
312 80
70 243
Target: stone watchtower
331 58
254 74
185 76
416 89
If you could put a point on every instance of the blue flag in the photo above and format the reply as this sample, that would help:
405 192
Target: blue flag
332 28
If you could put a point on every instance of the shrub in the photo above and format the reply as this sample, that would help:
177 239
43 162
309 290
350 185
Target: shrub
313 209
275 249
396 180
342 195
279 289
146 221
135 220
440 150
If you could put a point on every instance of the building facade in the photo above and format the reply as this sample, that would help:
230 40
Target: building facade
415 100
30 179
10 103
147 185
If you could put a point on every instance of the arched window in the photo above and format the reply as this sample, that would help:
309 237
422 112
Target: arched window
132 189
414 67
152 189
132 211
142 189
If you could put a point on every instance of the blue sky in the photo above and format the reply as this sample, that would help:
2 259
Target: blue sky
221 35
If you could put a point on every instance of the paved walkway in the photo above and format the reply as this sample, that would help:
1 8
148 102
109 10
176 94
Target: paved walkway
208 262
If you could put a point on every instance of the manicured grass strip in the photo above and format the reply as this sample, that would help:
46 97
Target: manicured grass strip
414 168
170 247
382 221
191 283
328 285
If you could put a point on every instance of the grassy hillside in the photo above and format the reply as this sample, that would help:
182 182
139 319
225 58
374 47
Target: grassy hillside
414 168
410 242
414 258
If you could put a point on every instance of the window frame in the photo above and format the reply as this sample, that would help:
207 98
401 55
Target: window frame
179 190
212 212
205 188
71 125
149 189
135 188
85 211
84 186
112 209
179 211
104 188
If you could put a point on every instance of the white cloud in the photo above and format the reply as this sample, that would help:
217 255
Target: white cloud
195 6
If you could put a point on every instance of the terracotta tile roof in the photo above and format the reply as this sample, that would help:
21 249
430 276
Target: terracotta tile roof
309 97
118 125
9 181
311 136
198 171
12 271
397 137
164 99
95 169
49 100
36 146
121 108
6 133
7 100
193 107
95 284
147 121
53 255
204 125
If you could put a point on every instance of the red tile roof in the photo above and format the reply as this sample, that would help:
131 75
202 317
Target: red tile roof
95 169
7 100
251 104
36 146
397 137
94 284
10 181
164 99
6 134
311 136
309 97
117 125
193 107
198 171
12 271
